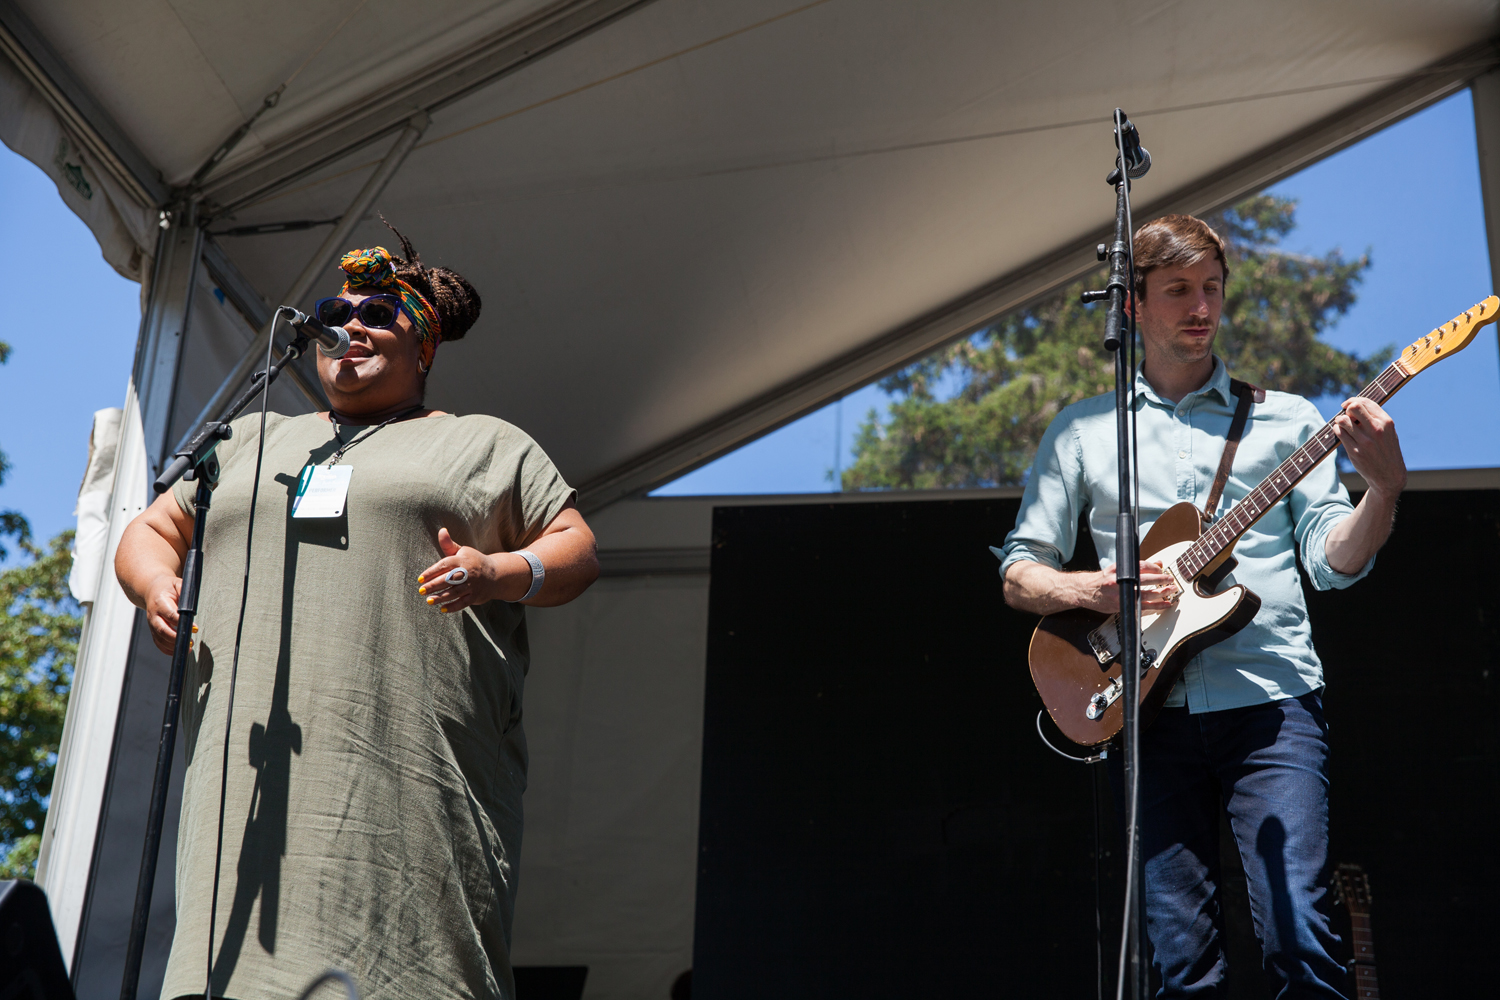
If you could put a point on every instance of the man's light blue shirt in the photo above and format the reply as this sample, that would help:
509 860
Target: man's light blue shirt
1075 474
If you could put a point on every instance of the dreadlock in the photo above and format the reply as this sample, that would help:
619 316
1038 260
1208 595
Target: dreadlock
451 295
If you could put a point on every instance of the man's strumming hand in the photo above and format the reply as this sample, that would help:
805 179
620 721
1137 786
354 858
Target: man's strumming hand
1042 590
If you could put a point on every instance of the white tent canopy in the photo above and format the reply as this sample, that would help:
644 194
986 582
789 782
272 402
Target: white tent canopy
691 221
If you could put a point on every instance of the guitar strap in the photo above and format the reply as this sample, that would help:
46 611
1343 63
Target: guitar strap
1246 393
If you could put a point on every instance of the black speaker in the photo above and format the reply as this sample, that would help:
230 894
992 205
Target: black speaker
31 965
547 982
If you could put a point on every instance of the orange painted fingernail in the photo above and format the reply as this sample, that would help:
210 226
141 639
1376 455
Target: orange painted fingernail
443 610
195 628
422 578
421 590
432 600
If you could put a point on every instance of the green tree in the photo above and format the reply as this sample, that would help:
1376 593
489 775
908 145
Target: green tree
39 627
973 413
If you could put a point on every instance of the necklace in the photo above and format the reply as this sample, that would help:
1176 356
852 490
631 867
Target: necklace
338 455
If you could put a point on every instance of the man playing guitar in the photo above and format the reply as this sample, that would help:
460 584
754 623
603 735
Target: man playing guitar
1244 725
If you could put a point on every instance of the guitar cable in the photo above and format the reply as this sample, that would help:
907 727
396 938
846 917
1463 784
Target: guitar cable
1101 755
234 669
332 975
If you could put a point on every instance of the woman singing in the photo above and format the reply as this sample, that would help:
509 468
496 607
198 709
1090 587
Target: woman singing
372 819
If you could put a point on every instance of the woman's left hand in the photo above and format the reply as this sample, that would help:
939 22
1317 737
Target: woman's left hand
478 577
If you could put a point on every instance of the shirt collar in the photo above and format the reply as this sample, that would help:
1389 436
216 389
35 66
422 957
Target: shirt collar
1217 382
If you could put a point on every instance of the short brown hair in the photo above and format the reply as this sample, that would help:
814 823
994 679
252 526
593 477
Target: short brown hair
1175 241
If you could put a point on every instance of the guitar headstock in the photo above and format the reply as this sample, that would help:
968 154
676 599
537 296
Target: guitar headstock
1450 338
1353 888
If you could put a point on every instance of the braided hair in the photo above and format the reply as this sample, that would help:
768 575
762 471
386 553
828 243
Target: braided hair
452 297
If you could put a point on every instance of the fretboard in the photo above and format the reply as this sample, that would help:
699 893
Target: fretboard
1227 530
1365 984
1366 987
1364 940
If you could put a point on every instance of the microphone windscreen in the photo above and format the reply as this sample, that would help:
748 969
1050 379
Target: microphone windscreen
337 350
1139 166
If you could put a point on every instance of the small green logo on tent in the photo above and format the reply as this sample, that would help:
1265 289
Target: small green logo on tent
69 163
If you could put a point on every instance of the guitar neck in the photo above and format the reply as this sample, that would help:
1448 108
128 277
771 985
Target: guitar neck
1220 538
1365 985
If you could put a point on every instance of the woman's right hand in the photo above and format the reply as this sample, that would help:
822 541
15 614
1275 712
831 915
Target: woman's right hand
148 564
161 610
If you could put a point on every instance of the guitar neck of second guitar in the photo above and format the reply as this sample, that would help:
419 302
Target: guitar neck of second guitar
1365 985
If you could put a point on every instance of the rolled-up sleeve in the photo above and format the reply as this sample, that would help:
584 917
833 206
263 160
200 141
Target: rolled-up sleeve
1047 525
1319 502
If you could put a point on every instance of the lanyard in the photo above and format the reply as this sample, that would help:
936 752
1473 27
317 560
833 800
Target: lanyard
338 455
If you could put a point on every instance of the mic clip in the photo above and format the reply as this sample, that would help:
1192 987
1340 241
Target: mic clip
1137 159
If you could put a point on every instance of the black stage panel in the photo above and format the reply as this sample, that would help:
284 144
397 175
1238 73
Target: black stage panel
879 818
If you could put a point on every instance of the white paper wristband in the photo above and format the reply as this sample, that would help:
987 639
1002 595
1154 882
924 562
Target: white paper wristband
538 575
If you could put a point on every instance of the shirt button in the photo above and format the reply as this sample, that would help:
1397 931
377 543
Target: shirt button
1182 454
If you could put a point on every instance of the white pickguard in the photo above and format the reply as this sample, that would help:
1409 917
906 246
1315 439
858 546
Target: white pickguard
1162 632
1165 631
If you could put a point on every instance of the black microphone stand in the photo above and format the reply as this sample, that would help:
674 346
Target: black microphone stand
1119 337
196 461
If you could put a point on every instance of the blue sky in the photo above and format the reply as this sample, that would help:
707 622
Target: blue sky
71 351
1409 195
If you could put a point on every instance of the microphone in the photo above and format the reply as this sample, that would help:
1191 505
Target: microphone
1137 160
332 341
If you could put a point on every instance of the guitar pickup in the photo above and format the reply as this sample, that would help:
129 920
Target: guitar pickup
1105 641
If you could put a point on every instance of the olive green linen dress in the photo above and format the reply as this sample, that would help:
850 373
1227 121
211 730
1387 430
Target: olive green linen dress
376 762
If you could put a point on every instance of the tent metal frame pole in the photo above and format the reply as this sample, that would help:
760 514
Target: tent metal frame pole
164 327
352 217
252 305
1486 92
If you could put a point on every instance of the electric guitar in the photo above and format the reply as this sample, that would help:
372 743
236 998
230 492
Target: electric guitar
1074 654
1353 888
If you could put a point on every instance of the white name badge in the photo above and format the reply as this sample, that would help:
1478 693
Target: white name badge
322 491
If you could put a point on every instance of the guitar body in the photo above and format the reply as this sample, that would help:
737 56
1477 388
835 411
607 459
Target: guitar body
1074 654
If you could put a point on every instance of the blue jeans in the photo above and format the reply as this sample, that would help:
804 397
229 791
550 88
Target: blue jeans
1268 764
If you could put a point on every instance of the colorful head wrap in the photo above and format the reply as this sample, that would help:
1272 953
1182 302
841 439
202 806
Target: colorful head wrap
370 271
